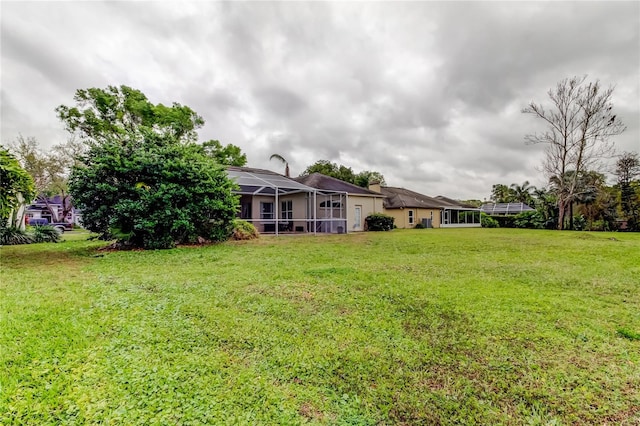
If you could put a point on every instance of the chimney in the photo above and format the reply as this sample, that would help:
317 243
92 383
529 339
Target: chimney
375 186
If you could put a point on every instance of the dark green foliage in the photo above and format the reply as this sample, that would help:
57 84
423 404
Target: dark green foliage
328 168
504 221
243 230
531 220
419 226
124 114
144 181
501 193
10 236
46 234
379 222
229 155
579 223
16 184
628 334
627 170
153 194
488 222
367 177
338 171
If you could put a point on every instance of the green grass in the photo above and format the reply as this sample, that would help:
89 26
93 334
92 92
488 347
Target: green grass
471 326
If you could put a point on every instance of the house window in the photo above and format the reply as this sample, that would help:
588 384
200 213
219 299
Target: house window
411 217
286 209
357 224
266 210
329 204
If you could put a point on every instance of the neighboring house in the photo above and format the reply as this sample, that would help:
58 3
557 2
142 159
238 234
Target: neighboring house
505 209
277 204
409 208
38 210
347 200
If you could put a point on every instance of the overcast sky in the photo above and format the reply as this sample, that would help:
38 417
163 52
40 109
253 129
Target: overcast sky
427 93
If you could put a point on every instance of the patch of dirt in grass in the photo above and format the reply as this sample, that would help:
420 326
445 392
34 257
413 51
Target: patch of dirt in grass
630 417
310 412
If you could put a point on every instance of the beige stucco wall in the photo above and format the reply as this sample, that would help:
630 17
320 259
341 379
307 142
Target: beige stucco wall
401 216
369 206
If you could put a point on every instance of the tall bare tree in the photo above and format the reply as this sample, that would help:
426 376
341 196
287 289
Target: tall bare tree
579 125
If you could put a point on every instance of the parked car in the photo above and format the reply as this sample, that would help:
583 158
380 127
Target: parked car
60 226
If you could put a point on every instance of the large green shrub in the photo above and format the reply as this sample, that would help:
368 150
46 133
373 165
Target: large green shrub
10 236
531 219
144 180
45 234
488 222
153 193
379 222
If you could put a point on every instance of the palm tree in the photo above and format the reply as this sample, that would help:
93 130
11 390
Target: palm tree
522 193
282 159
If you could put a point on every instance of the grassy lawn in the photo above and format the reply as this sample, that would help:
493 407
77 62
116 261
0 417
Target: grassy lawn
446 326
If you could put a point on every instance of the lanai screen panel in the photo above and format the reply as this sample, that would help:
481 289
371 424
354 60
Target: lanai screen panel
505 208
250 181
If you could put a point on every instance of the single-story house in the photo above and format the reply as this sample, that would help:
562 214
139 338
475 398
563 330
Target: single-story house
409 208
353 203
278 204
505 209
38 210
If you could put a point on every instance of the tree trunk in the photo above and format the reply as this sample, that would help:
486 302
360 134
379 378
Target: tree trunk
561 209
54 214
571 216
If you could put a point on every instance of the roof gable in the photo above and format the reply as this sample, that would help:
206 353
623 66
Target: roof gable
404 198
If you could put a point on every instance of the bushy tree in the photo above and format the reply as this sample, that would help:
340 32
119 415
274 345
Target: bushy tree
144 180
367 177
228 155
123 114
344 173
153 194
501 193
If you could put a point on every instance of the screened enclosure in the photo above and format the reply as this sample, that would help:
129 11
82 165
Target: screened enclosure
276 204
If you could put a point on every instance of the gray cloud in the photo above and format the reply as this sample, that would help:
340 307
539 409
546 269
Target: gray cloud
427 93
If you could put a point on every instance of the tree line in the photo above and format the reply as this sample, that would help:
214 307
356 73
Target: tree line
593 205
140 176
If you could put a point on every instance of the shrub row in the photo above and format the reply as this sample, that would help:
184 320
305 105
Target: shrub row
10 236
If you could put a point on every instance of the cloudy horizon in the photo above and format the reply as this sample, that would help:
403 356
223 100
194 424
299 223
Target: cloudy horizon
427 93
